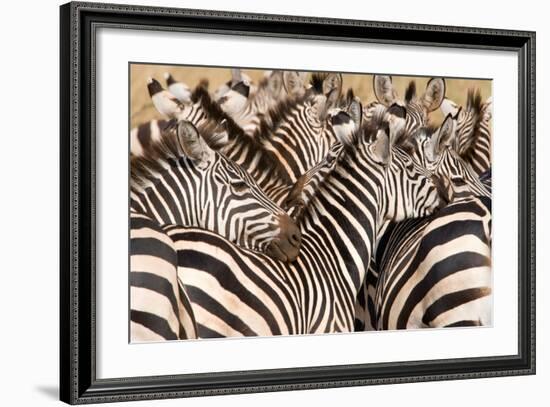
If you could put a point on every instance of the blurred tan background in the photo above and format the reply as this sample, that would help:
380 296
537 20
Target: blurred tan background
142 109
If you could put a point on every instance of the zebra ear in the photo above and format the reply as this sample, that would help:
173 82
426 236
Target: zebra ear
219 137
383 89
165 103
449 107
192 144
396 118
236 76
434 95
294 83
356 112
487 109
332 99
333 82
275 82
445 135
380 147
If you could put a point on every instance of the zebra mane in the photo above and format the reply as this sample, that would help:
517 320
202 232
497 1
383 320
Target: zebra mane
264 82
309 183
236 134
154 160
473 101
410 93
317 80
199 89
275 115
161 154
474 104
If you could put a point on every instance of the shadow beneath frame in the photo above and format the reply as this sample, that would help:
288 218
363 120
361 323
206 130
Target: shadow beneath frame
50 391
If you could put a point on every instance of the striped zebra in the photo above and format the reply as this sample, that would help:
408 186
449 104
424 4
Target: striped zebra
298 131
436 149
182 180
473 130
436 271
159 307
235 291
462 228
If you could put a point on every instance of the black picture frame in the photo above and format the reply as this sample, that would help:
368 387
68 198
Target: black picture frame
78 381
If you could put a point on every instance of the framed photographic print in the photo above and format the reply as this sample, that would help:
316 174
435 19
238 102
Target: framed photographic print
250 204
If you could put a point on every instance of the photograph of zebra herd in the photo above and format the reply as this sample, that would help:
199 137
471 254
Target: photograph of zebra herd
268 202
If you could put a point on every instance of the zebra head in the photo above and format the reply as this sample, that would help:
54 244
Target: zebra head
410 190
186 182
437 150
465 119
417 109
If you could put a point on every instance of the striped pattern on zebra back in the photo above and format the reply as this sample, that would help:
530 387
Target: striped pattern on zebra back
183 181
436 272
238 292
417 108
159 306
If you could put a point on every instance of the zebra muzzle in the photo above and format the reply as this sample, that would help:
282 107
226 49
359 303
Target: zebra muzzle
286 246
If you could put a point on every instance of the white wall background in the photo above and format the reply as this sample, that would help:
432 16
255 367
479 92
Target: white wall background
29 164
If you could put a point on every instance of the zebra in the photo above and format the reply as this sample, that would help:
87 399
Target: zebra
235 291
437 150
298 131
473 130
183 181
438 273
463 227
159 307
435 271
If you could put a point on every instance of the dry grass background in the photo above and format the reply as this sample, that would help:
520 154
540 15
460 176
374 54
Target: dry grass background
142 109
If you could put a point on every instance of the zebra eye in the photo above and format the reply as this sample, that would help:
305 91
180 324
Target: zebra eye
239 185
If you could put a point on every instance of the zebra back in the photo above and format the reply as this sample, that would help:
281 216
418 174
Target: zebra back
159 306
437 273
